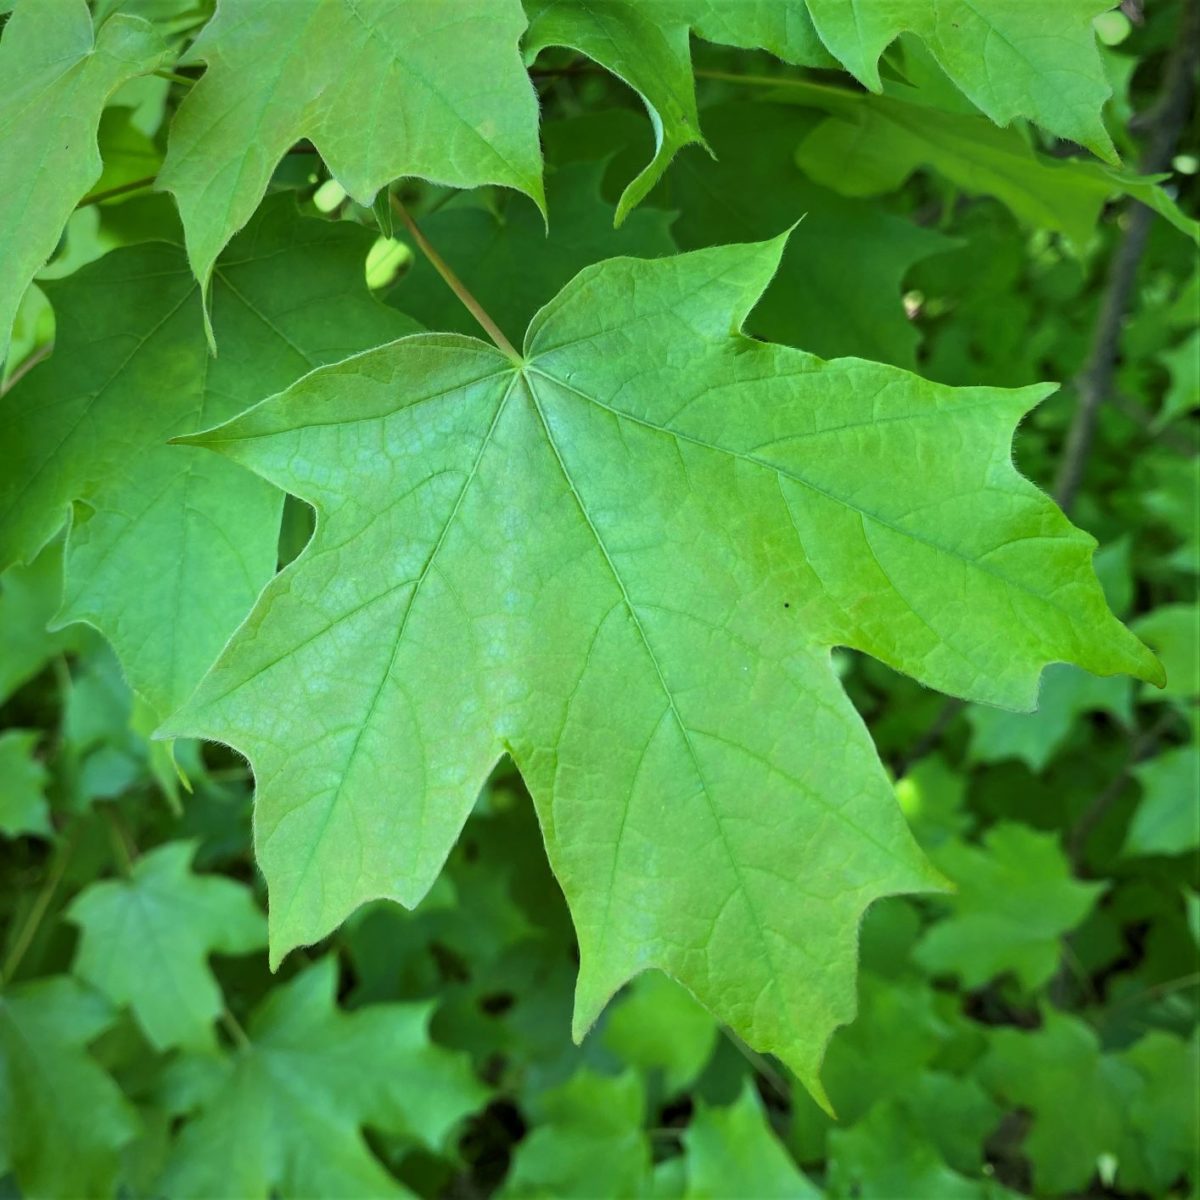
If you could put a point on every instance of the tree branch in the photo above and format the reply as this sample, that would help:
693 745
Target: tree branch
1163 123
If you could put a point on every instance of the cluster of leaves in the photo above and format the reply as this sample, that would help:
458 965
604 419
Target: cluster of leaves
540 643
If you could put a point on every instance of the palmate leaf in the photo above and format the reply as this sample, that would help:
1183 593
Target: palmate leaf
144 942
382 88
1016 898
1008 59
58 72
283 1117
169 547
590 1140
623 559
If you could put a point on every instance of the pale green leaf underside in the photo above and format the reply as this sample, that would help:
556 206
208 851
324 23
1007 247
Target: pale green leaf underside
382 88
169 547
57 75
624 562
145 941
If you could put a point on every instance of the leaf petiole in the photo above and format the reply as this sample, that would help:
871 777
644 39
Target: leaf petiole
455 284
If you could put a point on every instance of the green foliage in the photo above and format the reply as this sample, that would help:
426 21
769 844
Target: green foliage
284 1115
144 941
615 659
1015 898
58 72
165 558
461 110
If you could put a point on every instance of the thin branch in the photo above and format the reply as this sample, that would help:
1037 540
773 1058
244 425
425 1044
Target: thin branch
1164 124
455 284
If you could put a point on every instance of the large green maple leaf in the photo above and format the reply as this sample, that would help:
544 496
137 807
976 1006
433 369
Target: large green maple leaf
168 548
58 71
623 558
382 88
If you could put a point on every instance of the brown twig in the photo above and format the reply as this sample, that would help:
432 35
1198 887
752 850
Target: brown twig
1163 123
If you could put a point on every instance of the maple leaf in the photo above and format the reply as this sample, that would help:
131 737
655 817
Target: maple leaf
890 1154
1016 899
284 1115
381 89
642 616
144 942
1065 1141
58 72
62 1118
870 145
168 547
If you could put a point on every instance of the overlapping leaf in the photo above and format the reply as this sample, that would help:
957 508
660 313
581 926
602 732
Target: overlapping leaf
641 616
58 72
284 1116
144 942
381 88
753 190
869 145
1010 62
168 547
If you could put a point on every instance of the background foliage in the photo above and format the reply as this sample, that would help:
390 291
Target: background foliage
1034 1032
